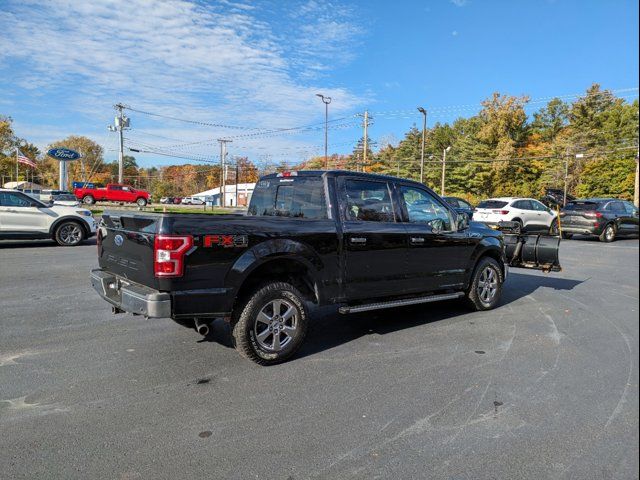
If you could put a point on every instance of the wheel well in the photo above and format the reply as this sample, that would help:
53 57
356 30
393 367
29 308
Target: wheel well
280 270
60 221
491 254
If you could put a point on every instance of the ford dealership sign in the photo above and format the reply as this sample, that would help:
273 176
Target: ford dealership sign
63 154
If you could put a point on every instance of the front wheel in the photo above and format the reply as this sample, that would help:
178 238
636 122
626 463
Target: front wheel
271 325
89 200
567 236
69 234
486 285
142 202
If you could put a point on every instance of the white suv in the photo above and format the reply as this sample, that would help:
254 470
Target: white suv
24 217
530 214
192 201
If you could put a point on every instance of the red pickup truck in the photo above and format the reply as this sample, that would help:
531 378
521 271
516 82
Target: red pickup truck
113 192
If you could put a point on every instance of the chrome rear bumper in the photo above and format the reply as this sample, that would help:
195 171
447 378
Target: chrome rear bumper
131 297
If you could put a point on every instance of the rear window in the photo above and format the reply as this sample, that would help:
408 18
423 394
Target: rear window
581 206
492 204
299 197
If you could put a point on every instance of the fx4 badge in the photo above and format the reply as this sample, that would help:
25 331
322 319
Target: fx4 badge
225 241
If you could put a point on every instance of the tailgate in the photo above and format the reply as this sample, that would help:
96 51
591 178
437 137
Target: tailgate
125 245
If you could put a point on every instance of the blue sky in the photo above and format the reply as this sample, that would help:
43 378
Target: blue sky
257 65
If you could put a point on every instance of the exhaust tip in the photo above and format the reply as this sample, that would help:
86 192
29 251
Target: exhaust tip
201 327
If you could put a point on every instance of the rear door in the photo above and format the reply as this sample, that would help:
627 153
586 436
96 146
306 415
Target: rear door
114 193
374 239
439 255
523 210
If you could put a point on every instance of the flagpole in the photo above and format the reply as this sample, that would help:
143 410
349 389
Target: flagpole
16 168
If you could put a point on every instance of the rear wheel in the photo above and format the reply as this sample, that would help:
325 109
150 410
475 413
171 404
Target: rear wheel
142 202
520 225
608 235
486 285
567 236
89 200
69 234
271 325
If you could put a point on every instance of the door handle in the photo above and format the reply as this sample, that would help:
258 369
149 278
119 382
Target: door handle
417 240
358 240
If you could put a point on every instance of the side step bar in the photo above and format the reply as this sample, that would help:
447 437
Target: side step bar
400 303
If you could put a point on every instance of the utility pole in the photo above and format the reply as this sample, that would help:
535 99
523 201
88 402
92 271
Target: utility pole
326 101
223 154
424 136
636 190
121 123
366 143
444 169
237 176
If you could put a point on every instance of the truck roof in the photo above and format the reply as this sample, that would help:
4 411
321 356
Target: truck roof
342 173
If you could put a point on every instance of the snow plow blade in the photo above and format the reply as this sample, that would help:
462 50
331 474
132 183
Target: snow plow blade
536 252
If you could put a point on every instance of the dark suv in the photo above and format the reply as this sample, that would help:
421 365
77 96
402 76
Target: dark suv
606 218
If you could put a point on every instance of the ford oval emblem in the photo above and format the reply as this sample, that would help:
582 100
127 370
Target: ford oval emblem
118 240
63 154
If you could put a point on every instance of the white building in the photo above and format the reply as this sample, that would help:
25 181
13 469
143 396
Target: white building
234 195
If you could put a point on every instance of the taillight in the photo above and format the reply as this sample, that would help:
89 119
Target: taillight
593 214
168 254
501 212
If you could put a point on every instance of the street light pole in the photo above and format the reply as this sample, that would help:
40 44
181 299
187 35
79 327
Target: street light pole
326 101
424 136
444 169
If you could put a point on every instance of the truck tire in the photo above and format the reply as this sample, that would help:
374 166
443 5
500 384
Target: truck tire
142 202
486 285
608 235
89 200
271 325
69 234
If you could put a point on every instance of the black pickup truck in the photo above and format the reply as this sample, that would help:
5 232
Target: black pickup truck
358 241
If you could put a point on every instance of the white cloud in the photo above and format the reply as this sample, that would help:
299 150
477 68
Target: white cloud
224 62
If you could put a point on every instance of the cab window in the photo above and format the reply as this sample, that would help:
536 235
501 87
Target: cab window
423 207
368 201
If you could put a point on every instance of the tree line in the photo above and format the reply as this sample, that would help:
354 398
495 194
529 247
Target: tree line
502 151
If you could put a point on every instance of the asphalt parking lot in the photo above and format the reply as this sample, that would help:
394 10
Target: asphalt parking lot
546 386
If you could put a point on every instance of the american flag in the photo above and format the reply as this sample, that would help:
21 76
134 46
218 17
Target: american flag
25 160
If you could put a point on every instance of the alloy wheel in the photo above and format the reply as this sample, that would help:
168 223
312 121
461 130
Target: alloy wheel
487 285
70 234
276 325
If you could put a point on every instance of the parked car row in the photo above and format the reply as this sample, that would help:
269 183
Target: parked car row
605 218
181 200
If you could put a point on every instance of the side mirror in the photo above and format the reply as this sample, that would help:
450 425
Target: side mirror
463 221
